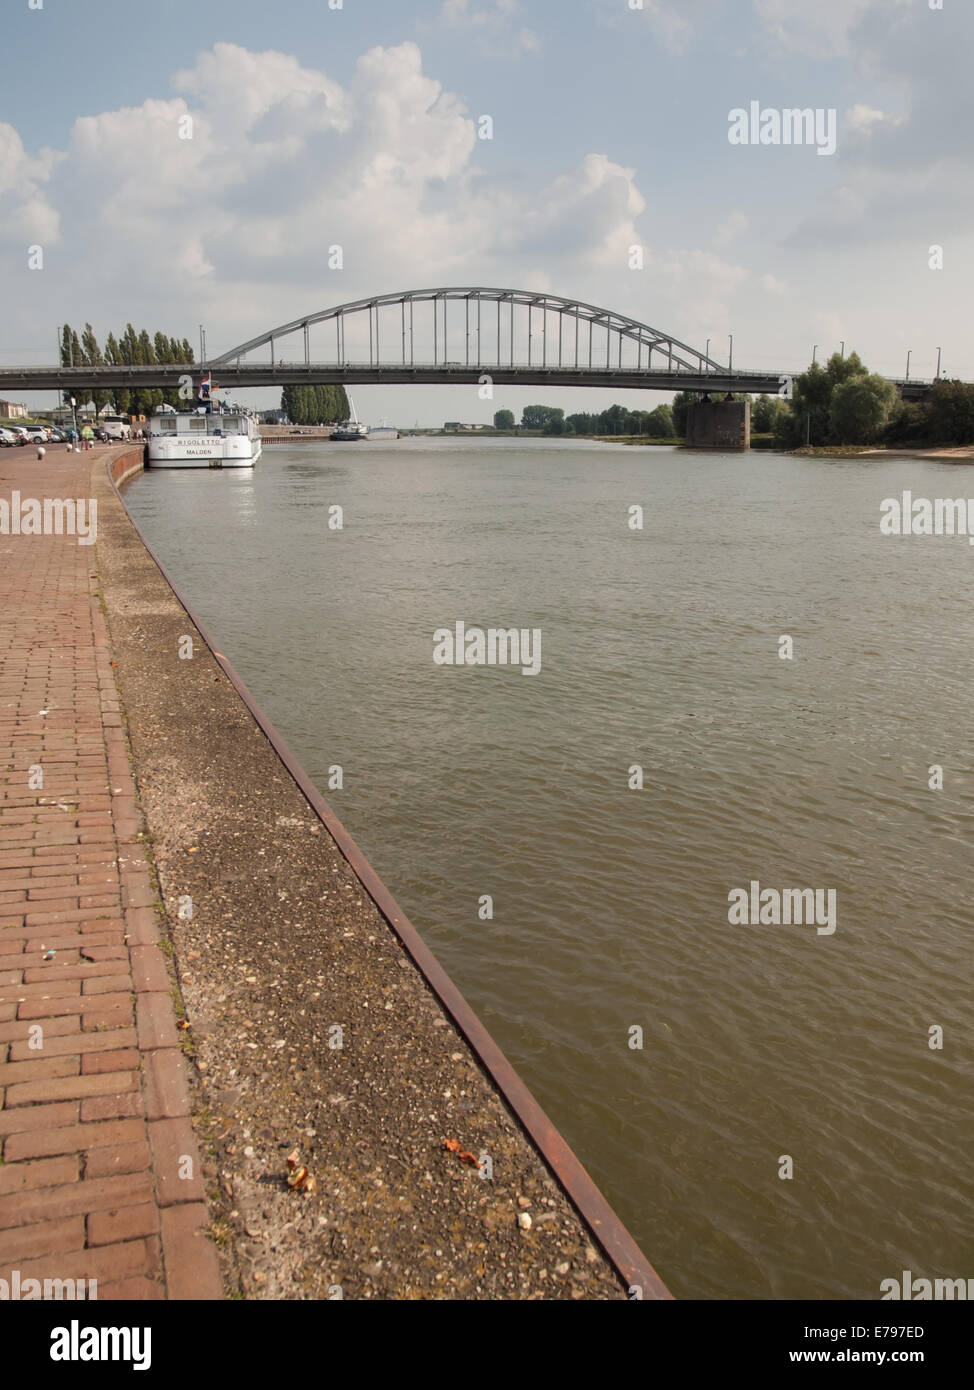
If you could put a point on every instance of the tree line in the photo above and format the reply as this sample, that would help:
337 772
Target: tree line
836 403
843 402
315 405
657 423
129 349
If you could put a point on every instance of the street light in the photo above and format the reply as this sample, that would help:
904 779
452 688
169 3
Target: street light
707 355
908 356
938 364
74 413
814 351
843 349
730 357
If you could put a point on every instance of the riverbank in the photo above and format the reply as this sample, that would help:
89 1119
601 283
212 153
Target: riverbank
958 454
314 1033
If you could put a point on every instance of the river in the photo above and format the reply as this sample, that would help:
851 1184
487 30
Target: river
610 903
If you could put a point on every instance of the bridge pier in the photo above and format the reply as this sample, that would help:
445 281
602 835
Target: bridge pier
719 425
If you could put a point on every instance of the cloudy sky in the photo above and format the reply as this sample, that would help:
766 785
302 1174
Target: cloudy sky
358 126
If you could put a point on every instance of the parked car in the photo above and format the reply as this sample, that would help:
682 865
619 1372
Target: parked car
7 438
20 433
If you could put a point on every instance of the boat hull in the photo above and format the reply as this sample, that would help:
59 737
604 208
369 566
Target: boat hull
175 452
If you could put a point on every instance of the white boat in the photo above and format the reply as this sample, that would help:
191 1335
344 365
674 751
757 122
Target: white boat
197 439
351 429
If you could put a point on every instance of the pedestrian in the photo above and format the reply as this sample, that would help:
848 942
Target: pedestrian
41 451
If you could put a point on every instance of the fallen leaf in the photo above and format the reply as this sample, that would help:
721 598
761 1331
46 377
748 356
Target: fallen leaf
452 1144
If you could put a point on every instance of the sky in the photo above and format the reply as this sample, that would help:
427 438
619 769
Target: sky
358 126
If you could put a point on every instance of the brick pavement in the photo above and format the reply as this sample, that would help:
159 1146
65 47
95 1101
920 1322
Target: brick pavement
99 1170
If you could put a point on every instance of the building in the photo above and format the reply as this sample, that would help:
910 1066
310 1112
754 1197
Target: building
12 410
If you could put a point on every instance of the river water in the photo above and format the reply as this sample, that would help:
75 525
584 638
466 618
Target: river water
659 648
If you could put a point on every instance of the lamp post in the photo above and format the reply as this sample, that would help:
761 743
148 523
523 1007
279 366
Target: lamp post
74 413
938 364
842 345
908 356
814 351
730 355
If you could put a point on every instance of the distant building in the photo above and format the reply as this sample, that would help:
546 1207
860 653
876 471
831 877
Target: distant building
456 426
13 410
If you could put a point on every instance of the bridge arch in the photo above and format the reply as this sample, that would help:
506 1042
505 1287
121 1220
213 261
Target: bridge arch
584 336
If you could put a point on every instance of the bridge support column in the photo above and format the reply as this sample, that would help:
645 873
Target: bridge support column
719 425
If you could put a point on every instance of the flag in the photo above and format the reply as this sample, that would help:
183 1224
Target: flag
205 387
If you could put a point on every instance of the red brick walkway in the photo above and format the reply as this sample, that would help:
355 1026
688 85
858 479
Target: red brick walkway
100 1175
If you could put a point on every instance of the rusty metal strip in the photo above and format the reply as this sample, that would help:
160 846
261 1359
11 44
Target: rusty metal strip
622 1252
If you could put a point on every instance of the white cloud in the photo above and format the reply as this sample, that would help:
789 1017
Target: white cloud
233 226
825 29
674 24
734 225
27 215
772 285
860 118
495 26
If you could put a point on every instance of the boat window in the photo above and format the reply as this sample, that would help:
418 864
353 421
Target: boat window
197 424
165 424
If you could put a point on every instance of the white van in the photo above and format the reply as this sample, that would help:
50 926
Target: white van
116 426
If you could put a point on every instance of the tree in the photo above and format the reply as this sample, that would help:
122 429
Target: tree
580 423
312 405
93 358
71 354
762 414
659 423
681 404
504 420
808 408
535 417
950 411
860 409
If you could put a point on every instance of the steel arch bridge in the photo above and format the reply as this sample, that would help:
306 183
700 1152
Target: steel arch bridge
445 336
516 334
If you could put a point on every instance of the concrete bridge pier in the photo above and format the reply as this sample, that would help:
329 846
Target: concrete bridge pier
719 425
